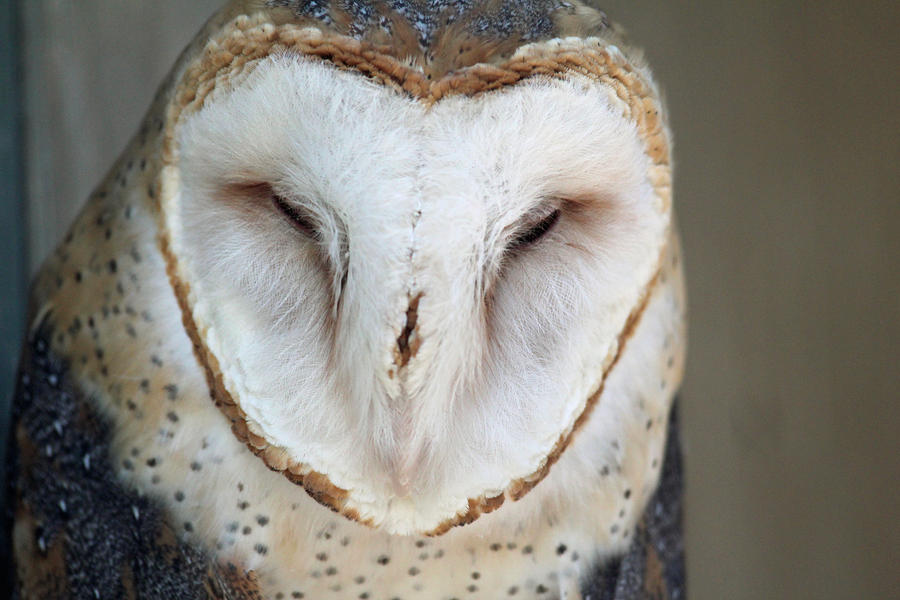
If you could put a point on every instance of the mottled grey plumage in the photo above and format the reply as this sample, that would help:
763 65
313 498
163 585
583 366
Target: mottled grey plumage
525 20
89 536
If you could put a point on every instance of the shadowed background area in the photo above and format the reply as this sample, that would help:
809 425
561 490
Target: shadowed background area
787 134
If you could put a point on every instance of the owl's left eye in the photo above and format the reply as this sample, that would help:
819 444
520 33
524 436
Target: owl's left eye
536 227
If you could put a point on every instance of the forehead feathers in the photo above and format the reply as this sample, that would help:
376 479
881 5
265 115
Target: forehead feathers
443 35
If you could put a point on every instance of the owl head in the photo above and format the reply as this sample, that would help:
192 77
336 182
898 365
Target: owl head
411 240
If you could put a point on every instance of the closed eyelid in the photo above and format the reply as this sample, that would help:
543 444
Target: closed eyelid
535 228
297 217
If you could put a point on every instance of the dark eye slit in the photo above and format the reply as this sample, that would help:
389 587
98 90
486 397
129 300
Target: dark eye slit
299 220
536 231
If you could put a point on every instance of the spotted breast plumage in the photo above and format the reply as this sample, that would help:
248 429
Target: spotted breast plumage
383 300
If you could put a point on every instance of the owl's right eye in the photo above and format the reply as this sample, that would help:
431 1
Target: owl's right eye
296 216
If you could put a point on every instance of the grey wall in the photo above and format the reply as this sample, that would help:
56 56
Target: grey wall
13 267
787 146
91 69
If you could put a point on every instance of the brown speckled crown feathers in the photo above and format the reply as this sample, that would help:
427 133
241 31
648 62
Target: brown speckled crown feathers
440 36
527 20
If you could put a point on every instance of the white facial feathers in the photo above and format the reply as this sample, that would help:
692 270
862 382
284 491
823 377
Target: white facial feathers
405 341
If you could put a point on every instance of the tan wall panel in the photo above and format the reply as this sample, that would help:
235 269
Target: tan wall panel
787 149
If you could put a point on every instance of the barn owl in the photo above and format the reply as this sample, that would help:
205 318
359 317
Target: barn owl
383 300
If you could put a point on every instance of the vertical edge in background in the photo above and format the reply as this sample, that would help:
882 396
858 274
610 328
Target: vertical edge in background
13 259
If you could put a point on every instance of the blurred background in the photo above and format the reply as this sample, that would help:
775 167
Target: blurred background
787 125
